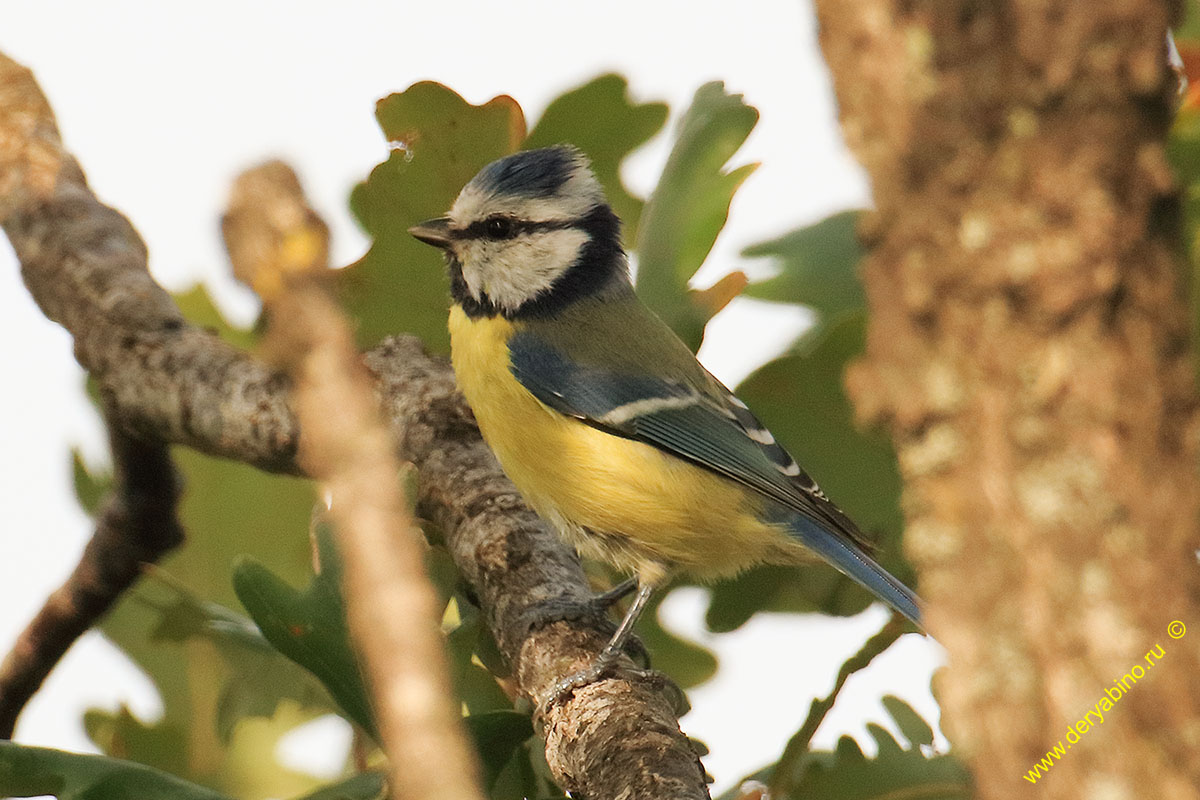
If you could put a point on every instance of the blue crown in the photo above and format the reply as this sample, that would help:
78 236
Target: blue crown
531 173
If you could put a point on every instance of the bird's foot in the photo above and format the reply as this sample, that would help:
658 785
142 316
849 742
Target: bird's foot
601 669
566 686
591 610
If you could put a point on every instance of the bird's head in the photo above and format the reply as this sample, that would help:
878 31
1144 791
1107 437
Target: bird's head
530 233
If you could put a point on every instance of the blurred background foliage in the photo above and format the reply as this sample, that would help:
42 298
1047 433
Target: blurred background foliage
241 654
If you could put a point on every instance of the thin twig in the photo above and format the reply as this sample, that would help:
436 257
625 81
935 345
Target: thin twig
783 778
136 526
279 246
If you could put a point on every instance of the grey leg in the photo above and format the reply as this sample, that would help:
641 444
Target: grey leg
594 609
608 656
617 643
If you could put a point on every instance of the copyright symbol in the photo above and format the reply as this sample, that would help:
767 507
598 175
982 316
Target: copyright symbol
1176 629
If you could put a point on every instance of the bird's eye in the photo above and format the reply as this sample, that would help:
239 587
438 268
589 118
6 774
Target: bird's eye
500 228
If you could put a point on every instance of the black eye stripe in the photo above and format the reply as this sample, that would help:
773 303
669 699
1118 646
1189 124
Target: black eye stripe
482 229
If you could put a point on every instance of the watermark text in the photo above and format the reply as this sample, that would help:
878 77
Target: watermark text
1094 716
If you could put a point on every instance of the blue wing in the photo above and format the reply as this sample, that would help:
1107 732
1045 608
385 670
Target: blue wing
712 429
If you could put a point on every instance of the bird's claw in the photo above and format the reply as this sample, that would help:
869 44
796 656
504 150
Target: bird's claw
601 669
565 687
591 611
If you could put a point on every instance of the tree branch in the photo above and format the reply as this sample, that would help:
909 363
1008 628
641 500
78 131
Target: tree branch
136 526
279 245
171 382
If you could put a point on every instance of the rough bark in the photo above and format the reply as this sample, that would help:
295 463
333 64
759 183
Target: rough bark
170 382
1028 350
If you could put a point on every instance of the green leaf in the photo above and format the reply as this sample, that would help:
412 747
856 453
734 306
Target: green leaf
770 588
227 699
1188 29
186 678
518 780
914 728
309 626
35 771
850 775
488 651
222 510
818 267
688 208
90 487
475 685
439 142
497 735
363 786
260 678
443 574
893 772
198 306
800 398
164 744
599 119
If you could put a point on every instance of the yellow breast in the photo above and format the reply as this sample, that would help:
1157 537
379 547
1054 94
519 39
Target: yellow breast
614 498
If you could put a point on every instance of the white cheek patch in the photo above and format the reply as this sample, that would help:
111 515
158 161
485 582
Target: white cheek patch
522 268
470 254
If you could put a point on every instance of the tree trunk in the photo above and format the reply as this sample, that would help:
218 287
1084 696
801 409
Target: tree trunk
1028 351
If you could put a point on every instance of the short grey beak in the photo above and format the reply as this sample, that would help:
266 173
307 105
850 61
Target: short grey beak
433 231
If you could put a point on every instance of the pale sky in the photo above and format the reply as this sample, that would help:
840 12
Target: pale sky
164 104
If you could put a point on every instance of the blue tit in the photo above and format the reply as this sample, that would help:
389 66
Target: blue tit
600 415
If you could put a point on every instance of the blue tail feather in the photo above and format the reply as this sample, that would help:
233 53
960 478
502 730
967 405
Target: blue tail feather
850 560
